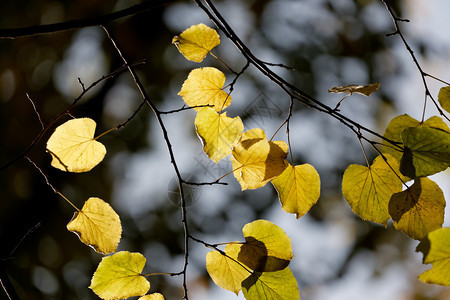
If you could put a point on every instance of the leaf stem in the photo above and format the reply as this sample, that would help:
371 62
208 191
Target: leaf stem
106 132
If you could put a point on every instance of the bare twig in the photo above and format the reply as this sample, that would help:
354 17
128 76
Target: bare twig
14 33
289 89
57 117
157 114
36 111
423 74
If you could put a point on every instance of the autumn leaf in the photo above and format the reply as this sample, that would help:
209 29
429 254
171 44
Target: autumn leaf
73 147
398 124
280 285
365 90
419 209
218 132
427 151
97 225
224 270
204 87
444 98
436 251
196 42
298 188
119 276
369 189
255 160
267 247
154 296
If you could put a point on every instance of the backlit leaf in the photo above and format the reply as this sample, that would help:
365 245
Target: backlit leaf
218 132
97 225
369 189
298 188
255 160
436 251
360 89
419 209
444 98
154 296
204 87
119 276
225 271
267 247
73 147
279 285
398 124
196 42
427 151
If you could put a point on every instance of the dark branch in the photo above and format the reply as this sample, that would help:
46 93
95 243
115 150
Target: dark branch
398 32
157 114
57 117
289 89
13 33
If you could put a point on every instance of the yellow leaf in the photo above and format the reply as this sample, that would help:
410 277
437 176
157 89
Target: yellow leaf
73 147
419 209
398 124
360 89
255 160
97 225
218 132
204 87
444 98
154 296
369 189
280 285
267 247
119 276
298 188
224 270
436 251
196 41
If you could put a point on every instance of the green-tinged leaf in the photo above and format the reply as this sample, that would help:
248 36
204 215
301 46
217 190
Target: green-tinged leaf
398 124
218 132
73 147
298 188
444 98
365 90
224 270
427 151
419 209
256 161
436 251
97 225
196 42
267 247
369 189
279 285
154 296
119 276
204 87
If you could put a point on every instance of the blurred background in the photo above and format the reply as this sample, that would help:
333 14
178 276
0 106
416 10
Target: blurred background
330 43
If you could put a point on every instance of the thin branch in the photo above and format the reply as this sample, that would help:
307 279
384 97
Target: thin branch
157 114
30 231
57 117
7 285
47 181
290 89
13 33
423 75
184 108
36 111
205 183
